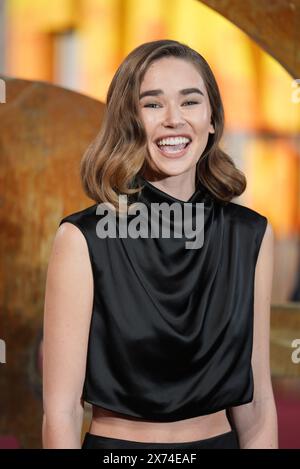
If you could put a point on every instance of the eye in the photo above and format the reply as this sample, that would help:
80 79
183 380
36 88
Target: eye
151 104
192 102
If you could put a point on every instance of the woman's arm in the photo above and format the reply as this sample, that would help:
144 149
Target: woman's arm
67 315
256 422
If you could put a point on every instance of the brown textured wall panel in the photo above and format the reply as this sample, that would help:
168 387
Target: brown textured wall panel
44 131
274 25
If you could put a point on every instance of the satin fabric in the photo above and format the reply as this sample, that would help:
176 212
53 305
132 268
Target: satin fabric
171 332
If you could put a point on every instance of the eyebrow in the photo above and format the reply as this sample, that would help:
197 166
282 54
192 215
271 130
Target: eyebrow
184 92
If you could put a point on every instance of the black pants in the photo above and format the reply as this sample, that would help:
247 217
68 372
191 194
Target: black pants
226 440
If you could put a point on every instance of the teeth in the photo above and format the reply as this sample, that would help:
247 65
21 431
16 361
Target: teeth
173 141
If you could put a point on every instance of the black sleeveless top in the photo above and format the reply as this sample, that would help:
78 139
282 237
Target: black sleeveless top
171 331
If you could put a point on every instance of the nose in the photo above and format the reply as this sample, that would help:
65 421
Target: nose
173 116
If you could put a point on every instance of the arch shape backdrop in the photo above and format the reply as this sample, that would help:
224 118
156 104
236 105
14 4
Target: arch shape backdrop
275 26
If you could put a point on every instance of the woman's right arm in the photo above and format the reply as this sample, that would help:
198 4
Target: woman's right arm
67 316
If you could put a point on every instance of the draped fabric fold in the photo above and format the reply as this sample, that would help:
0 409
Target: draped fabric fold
171 332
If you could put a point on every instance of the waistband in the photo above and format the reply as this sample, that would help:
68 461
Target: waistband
226 440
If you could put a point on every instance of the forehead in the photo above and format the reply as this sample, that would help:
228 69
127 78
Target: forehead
172 72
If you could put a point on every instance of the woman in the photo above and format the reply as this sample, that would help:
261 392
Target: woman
168 341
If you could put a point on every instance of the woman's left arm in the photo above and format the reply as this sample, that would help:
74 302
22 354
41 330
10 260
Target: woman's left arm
256 422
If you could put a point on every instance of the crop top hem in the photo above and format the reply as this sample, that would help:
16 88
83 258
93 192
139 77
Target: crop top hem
166 418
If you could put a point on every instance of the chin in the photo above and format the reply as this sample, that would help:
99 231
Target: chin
174 168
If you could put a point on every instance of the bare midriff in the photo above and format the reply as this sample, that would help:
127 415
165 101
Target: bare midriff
114 425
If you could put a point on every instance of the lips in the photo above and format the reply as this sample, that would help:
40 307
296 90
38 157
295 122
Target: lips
173 154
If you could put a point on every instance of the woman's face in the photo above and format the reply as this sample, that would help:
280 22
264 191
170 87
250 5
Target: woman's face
175 104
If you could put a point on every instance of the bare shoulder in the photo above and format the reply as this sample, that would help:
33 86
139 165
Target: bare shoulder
266 252
69 263
67 233
69 247
269 230
268 238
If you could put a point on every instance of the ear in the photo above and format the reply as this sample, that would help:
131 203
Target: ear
211 127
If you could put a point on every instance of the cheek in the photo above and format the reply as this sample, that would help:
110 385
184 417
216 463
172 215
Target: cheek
201 120
148 122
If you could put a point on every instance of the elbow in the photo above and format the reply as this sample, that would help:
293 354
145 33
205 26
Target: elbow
257 424
62 428
57 406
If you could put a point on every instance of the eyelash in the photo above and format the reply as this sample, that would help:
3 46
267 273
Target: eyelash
151 104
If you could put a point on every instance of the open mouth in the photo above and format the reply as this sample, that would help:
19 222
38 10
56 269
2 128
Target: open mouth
174 149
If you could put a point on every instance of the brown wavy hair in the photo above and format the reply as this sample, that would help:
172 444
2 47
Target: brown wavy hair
119 152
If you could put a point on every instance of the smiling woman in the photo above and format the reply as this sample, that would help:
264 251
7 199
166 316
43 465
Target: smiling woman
163 89
168 344
186 113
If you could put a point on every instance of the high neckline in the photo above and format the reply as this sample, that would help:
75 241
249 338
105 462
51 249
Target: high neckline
153 194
